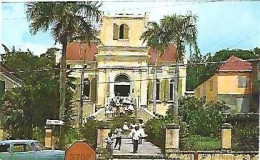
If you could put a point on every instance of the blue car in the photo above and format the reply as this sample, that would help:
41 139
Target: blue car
27 150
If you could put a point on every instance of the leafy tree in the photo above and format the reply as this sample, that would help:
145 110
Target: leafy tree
28 106
67 21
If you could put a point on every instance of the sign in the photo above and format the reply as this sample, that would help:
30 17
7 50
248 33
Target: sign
80 151
54 122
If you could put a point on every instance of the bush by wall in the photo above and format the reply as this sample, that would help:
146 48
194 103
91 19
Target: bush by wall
245 131
203 118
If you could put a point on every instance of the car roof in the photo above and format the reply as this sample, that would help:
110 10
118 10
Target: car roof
18 141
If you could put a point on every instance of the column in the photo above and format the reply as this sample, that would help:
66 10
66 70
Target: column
49 138
172 138
103 131
101 151
226 136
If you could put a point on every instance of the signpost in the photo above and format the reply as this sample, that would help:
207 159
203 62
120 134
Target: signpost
80 151
54 122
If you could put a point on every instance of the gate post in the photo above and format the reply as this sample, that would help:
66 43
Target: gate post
102 134
226 136
172 138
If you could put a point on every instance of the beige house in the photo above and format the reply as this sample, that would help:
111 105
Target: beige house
8 81
123 65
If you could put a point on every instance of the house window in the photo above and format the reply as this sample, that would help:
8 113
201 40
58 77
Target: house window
171 90
86 88
157 89
242 82
211 85
123 31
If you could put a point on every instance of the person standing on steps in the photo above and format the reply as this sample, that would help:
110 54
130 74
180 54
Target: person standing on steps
118 132
135 134
141 130
109 140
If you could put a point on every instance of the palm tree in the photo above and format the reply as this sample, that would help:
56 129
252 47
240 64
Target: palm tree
180 30
67 22
153 36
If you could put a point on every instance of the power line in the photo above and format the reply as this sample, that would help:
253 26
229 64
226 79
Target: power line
137 69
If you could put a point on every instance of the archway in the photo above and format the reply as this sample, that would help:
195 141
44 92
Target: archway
122 85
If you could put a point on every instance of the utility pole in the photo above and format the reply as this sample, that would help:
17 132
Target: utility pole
154 82
176 83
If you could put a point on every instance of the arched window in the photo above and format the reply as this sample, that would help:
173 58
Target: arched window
157 89
86 88
123 31
171 90
122 78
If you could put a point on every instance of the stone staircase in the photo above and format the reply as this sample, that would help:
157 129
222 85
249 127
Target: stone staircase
146 150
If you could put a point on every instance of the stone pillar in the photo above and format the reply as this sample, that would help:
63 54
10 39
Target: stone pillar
226 136
172 138
49 138
102 134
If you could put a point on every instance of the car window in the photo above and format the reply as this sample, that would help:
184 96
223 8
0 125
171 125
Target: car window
37 146
4 147
22 148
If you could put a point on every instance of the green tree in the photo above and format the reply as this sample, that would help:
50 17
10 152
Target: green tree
67 21
27 107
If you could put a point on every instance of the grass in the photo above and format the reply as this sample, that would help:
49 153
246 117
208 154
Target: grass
199 143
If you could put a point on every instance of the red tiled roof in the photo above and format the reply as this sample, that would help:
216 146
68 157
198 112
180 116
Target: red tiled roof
169 55
77 51
235 64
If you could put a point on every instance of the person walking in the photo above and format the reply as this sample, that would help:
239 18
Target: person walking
118 132
141 130
109 140
135 134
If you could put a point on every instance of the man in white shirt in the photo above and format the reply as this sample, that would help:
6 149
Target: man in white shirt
135 134
118 132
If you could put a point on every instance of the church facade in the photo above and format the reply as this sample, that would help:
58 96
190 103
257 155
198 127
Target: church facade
122 65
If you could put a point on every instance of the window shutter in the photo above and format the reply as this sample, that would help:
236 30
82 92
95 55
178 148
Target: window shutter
162 90
126 30
93 87
180 88
167 90
150 90
2 89
115 31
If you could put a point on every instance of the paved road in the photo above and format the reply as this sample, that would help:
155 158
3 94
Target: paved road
144 149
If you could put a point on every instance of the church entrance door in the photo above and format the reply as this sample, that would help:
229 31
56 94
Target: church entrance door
122 85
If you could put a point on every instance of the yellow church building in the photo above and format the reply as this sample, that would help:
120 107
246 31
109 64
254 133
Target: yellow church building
123 65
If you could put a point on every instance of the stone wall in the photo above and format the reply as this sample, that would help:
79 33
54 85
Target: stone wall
213 155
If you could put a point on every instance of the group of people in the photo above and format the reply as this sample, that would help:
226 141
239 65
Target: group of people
119 106
135 131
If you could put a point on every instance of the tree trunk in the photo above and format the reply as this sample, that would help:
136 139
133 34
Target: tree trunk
62 93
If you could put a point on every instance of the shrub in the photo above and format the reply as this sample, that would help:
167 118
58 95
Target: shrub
155 129
203 118
89 132
245 132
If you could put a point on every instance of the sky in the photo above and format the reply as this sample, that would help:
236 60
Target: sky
221 25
